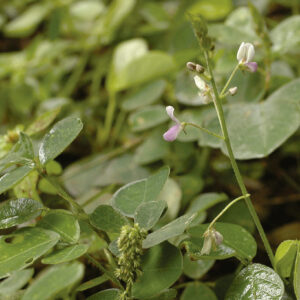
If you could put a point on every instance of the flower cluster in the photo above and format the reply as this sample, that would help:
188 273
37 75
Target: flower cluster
212 239
244 56
130 247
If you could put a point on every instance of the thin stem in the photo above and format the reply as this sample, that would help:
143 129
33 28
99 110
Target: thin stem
219 109
212 223
110 111
229 80
203 129
109 274
62 193
75 76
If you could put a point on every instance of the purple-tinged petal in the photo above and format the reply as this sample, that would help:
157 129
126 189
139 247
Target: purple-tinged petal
170 112
172 133
252 66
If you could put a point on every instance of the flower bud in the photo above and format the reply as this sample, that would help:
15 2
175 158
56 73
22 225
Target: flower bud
232 91
195 67
212 239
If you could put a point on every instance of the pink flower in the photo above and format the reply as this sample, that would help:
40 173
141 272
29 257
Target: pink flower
173 132
245 54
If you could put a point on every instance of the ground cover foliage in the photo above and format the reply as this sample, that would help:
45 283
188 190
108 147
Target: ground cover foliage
95 203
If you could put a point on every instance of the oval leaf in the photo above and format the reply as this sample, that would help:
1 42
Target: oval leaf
106 218
148 117
59 137
63 223
128 198
65 254
14 212
285 258
162 266
257 129
54 280
148 213
21 248
110 294
13 177
197 291
256 282
237 242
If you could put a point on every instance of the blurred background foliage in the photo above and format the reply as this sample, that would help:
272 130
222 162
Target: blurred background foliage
117 64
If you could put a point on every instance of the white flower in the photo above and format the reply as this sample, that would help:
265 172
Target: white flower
212 239
245 53
204 90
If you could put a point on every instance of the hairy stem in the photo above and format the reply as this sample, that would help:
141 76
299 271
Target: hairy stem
220 112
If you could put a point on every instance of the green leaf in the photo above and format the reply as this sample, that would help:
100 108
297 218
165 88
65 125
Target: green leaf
237 242
59 137
198 290
99 170
152 149
296 279
15 212
147 67
186 91
169 294
129 197
205 201
110 294
171 193
106 218
257 129
256 282
196 269
148 117
162 266
15 282
53 280
21 248
66 254
62 222
11 178
21 153
26 23
285 258
92 283
147 214
212 9
285 36
42 121
168 231
145 95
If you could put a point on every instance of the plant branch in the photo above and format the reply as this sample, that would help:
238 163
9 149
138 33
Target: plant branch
203 129
219 109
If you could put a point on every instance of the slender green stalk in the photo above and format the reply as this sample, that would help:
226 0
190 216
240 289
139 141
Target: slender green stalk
110 111
62 193
75 76
203 129
109 274
229 80
219 109
212 223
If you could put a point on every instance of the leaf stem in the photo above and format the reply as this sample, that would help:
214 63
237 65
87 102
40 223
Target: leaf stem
220 113
109 116
109 274
212 223
203 129
229 80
